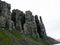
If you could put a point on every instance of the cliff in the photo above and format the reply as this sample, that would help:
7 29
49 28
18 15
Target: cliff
19 28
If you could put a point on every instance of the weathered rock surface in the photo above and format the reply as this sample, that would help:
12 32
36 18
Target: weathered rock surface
40 27
24 23
43 31
18 18
2 22
5 15
28 16
31 29
30 25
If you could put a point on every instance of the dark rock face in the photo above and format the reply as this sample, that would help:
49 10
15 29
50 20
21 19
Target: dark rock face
18 18
40 27
43 31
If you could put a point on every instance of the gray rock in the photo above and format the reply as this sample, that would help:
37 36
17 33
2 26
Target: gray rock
28 16
9 25
19 19
2 22
43 31
30 28
25 23
30 25
40 27
5 9
5 15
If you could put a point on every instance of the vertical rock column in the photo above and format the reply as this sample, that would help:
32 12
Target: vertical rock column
18 18
40 27
30 27
5 15
43 31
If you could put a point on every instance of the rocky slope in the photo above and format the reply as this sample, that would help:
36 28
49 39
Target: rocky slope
19 28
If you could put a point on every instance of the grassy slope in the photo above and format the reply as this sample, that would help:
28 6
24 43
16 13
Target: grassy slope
16 34
4 39
40 41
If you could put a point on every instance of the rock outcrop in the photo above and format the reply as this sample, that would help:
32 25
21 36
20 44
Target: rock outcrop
40 27
25 23
18 18
5 14
30 25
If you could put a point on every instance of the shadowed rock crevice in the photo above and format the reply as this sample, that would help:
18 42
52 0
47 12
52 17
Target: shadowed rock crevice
40 27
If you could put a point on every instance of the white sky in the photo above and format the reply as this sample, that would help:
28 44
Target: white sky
48 9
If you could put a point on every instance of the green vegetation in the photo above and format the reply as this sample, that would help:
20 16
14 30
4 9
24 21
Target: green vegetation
16 34
4 39
41 41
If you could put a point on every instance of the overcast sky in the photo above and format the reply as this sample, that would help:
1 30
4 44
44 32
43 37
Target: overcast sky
48 9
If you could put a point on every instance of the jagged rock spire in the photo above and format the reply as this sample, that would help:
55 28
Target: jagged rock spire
41 19
43 31
40 27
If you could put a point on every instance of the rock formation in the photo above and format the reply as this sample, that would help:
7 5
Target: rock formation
24 23
5 15
40 27
30 25
18 18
